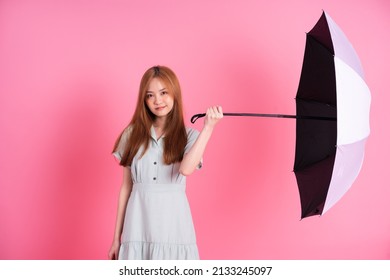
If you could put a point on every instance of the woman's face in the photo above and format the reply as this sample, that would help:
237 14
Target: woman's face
158 99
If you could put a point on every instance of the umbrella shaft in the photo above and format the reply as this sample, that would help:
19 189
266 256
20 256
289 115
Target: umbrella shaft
195 117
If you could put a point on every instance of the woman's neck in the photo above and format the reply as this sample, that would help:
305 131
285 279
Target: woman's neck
159 122
158 126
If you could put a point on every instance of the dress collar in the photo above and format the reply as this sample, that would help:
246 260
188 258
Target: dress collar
153 134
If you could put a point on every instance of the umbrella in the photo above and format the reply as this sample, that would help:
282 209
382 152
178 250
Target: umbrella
332 106
329 155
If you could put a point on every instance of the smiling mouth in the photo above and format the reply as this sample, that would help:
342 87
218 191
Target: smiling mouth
160 108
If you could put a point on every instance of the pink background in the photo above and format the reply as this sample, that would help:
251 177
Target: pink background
68 82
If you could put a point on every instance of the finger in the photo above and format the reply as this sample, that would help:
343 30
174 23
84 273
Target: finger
210 112
215 111
220 110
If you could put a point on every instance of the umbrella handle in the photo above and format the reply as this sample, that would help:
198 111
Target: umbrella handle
197 116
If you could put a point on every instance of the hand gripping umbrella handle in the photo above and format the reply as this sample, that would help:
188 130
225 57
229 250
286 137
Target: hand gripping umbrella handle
197 116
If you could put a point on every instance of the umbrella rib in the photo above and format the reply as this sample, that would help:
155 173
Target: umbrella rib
197 116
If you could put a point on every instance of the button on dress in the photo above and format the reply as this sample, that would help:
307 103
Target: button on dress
158 222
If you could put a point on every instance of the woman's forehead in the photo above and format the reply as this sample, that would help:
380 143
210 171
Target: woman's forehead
157 84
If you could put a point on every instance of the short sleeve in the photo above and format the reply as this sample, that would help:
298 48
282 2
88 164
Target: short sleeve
192 135
122 144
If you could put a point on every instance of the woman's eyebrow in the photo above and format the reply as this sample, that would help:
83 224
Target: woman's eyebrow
150 91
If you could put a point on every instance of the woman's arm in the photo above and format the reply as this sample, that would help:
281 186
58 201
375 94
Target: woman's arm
192 159
124 194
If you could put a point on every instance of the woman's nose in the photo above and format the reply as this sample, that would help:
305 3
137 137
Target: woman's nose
157 100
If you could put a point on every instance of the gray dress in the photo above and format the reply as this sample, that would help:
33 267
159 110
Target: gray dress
158 222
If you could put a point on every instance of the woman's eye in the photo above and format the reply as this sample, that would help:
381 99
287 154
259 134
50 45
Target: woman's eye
164 92
149 95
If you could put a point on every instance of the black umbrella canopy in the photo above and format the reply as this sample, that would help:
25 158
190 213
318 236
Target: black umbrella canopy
332 112
316 140
329 155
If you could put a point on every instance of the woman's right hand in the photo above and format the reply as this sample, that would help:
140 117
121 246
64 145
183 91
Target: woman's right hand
114 251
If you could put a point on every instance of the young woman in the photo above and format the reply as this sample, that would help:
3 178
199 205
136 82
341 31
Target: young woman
157 152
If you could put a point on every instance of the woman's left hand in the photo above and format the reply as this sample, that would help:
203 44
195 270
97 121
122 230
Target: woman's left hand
192 159
213 115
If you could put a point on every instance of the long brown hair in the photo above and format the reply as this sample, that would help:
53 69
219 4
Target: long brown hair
175 132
